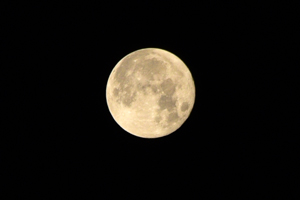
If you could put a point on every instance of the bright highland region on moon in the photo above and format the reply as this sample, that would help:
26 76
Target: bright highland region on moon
150 93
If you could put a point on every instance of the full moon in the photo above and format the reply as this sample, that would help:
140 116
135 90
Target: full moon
150 93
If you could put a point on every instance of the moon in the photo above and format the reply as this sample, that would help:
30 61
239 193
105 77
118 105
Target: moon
150 93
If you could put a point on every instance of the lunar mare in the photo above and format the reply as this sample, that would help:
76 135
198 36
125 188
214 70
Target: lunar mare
150 93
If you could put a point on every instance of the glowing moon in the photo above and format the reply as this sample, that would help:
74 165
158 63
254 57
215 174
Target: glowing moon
150 93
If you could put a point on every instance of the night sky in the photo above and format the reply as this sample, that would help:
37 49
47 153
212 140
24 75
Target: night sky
60 139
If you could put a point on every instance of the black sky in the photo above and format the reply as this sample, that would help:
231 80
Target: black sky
64 141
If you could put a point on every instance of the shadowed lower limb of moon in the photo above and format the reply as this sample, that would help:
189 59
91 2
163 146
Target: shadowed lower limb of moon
150 93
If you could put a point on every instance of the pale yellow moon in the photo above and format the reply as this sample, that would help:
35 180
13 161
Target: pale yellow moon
150 93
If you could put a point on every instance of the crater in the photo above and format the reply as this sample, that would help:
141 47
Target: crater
151 67
184 106
166 102
128 99
120 75
168 87
116 92
173 117
144 88
154 88
124 94
158 119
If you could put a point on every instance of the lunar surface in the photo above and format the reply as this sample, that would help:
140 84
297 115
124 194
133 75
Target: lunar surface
150 93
